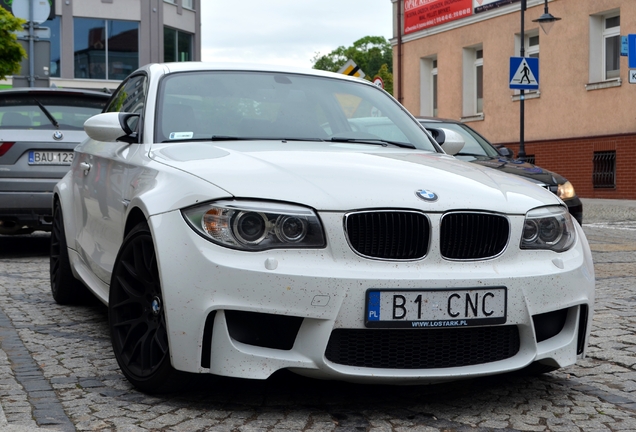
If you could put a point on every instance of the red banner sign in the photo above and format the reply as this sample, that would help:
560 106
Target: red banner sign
421 14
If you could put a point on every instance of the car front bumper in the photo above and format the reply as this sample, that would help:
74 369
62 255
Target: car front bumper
293 301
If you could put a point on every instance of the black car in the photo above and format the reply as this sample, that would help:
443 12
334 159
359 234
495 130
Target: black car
478 150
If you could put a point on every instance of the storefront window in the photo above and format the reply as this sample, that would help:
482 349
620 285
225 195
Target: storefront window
105 49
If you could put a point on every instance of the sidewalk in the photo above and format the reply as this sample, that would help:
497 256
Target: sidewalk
597 210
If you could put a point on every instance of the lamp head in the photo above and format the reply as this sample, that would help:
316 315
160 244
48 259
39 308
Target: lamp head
546 21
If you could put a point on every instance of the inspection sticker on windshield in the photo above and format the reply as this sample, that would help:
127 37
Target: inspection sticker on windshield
181 135
50 158
435 308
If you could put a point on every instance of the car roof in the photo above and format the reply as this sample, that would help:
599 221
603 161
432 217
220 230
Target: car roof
246 67
51 91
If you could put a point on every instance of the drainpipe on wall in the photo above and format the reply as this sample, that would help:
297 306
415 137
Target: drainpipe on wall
399 50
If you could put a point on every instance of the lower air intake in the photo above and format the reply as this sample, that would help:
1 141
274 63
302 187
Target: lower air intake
422 349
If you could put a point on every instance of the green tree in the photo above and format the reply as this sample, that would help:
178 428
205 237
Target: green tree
371 54
11 52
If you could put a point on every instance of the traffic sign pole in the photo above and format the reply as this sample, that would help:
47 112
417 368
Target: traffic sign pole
31 47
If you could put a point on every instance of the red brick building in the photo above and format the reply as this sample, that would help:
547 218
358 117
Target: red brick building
452 60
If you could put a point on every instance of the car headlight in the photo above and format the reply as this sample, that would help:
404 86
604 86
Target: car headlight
548 228
565 191
256 225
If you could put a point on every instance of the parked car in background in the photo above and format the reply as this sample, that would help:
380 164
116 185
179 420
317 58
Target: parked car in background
479 150
239 220
39 128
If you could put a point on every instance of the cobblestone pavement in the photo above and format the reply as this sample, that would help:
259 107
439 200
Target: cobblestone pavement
57 372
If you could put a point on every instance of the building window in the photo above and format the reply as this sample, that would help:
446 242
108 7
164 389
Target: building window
473 82
532 45
434 76
479 81
54 26
605 47
105 49
188 4
612 46
428 86
177 45
604 172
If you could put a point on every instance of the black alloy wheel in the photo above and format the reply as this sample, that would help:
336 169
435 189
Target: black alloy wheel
137 319
65 288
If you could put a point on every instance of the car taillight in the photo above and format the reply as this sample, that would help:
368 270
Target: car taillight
4 147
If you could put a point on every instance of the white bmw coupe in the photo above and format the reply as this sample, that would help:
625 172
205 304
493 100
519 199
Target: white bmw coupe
241 220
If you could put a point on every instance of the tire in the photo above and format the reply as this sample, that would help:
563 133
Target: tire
65 288
136 317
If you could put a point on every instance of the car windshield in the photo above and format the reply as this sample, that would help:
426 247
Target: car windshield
22 111
475 144
223 105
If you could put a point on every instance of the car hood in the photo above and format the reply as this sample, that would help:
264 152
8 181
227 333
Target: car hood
520 168
348 176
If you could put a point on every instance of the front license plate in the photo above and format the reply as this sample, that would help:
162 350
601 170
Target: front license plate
50 158
436 308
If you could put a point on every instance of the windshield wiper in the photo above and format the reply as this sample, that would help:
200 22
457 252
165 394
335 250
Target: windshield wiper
469 154
47 113
376 141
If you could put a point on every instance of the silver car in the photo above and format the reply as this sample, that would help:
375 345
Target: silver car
39 128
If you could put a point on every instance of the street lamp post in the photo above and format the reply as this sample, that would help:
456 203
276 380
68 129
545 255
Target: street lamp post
522 97
546 21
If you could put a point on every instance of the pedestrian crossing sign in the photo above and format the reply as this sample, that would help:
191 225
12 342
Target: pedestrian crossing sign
524 73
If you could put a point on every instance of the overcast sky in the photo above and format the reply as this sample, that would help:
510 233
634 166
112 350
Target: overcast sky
287 32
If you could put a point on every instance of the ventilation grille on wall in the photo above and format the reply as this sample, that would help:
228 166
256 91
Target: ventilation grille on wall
604 174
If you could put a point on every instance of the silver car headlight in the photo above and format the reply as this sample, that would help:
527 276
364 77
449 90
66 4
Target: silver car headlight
565 191
548 228
256 225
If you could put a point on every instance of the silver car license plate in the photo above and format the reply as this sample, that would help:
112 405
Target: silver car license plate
435 308
50 157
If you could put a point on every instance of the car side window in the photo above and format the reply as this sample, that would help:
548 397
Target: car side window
130 98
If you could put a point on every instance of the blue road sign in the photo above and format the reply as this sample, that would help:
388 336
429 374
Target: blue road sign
631 59
524 73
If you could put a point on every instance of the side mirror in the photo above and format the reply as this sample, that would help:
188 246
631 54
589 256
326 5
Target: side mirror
505 152
112 126
452 142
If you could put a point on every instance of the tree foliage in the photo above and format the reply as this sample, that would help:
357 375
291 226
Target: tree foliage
373 54
11 52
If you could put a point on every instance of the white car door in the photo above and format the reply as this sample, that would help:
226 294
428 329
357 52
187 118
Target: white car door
104 187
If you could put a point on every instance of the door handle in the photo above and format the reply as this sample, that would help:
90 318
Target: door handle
85 166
